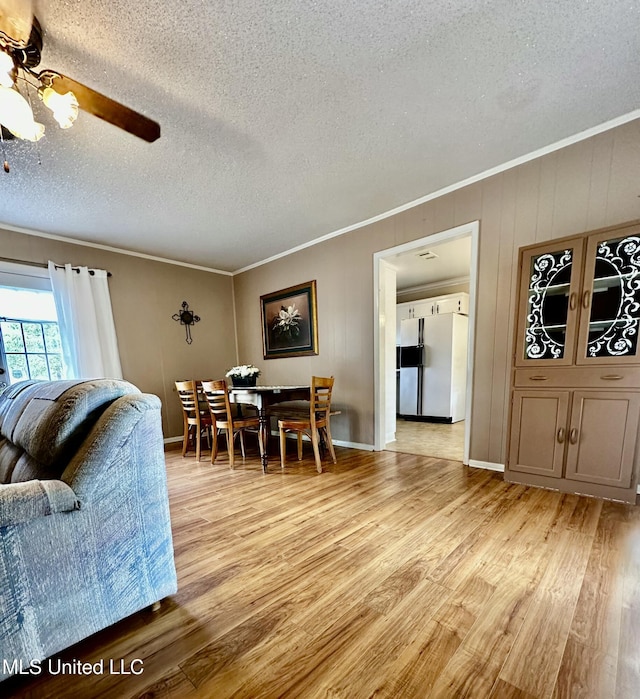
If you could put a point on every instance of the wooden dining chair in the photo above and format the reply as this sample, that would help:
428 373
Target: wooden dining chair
196 418
217 395
315 425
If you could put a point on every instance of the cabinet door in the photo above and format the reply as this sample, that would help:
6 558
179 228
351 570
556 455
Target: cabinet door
538 432
550 278
403 312
448 304
602 437
610 298
422 309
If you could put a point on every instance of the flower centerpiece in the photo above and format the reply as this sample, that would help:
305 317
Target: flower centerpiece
244 375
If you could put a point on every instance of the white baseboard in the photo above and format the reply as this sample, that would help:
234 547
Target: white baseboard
336 442
353 445
274 433
488 465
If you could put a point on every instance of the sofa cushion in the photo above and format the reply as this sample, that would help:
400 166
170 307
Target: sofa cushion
48 420
13 400
9 456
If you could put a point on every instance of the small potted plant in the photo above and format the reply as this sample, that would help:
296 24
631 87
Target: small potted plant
245 375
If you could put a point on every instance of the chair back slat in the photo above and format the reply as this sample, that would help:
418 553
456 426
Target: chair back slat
188 397
217 395
321 389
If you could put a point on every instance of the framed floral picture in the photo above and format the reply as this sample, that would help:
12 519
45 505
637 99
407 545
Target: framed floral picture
290 322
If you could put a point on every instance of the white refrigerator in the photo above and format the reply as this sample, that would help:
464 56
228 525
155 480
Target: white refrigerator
433 367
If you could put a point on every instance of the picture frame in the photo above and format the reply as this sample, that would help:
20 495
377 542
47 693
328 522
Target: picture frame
290 322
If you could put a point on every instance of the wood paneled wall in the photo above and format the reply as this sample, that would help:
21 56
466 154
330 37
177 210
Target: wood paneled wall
144 296
587 185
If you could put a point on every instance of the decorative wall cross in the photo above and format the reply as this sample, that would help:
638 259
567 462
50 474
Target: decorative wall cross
186 318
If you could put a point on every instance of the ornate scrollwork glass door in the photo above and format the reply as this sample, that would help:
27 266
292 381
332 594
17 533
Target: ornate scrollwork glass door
548 305
611 299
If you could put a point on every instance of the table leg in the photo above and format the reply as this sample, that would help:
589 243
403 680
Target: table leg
264 435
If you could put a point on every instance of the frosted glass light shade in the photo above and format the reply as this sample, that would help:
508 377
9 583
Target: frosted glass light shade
6 68
16 115
64 107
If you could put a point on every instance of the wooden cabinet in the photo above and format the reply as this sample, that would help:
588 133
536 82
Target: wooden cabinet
538 428
584 436
601 437
575 399
450 303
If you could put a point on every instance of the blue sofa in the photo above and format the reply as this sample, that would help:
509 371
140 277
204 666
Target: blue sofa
85 534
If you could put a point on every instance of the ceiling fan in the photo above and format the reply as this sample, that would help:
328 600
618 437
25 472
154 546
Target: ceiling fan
20 50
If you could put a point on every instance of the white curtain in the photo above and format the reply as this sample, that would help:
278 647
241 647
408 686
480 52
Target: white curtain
85 319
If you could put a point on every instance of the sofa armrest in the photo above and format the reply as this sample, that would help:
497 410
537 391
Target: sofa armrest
22 502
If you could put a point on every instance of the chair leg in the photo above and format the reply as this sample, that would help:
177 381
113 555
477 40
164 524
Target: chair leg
230 445
214 444
242 443
283 447
198 438
316 450
185 441
299 446
185 438
327 430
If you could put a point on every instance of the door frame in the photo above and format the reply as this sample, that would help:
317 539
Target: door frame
381 361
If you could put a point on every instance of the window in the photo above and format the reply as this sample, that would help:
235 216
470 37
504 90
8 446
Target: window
31 349
30 346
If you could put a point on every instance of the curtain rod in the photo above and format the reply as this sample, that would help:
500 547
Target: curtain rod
42 264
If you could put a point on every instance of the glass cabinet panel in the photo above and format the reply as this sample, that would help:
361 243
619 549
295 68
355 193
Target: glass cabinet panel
611 300
548 291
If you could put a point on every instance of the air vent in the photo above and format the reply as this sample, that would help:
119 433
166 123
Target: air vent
427 255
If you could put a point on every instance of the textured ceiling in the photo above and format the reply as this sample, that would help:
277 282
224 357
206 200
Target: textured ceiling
283 121
452 261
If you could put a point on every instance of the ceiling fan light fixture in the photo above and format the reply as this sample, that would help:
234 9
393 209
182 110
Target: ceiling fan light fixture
64 107
17 117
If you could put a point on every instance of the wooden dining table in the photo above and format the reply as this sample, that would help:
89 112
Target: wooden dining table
262 397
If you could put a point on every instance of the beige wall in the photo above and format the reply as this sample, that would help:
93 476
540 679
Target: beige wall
144 296
584 186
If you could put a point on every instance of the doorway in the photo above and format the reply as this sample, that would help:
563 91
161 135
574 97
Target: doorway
416 435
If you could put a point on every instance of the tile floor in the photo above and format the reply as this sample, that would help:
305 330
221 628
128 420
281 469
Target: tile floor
429 439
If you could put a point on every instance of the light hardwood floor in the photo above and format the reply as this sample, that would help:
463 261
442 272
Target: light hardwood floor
390 575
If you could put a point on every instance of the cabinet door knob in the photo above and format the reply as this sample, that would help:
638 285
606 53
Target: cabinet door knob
561 434
585 298
612 377
538 377
573 300
573 435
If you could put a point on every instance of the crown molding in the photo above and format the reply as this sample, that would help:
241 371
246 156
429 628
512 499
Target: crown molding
429 286
109 248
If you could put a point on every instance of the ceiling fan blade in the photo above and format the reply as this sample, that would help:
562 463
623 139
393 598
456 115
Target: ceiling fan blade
103 107
16 17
